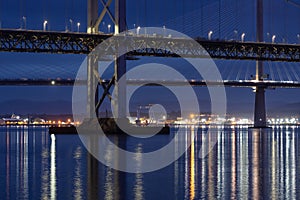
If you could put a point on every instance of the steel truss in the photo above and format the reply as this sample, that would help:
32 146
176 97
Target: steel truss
82 43
48 42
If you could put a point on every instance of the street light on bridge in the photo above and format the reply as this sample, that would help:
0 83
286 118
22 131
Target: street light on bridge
273 38
108 28
243 37
235 34
209 35
24 21
268 37
138 30
78 27
71 24
45 25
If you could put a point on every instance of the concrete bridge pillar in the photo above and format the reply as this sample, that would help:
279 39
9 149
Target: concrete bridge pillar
260 106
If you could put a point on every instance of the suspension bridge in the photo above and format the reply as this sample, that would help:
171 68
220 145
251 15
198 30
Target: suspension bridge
262 51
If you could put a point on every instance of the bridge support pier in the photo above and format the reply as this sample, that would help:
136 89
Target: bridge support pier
92 87
92 62
260 108
119 102
120 63
260 105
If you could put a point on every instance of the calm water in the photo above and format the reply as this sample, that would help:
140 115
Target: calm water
243 164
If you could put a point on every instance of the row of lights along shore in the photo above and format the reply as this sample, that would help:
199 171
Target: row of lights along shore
209 35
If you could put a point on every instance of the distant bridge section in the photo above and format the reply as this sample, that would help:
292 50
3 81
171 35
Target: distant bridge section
83 43
231 83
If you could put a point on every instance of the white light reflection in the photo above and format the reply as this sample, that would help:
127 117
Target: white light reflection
138 189
7 163
110 187
18 159
293 165
274 167
213 132
45 173
25 164
255 164
176 166
203 163
52 168
233 165
77 192
244 157
220 159
281 164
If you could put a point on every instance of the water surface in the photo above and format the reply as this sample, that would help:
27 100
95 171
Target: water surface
243 164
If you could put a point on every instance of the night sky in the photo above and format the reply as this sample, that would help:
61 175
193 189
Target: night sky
228 19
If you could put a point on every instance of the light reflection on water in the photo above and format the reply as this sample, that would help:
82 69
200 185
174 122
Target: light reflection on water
243 164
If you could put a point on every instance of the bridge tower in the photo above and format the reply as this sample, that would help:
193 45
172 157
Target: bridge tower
119 20
260 106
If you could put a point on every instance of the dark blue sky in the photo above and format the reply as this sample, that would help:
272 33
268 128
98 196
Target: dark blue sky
192 17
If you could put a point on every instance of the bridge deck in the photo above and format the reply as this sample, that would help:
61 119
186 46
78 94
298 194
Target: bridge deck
83 43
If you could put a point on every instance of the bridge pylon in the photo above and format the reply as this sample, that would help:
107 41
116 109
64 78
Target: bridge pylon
118 18
260 105
260 108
